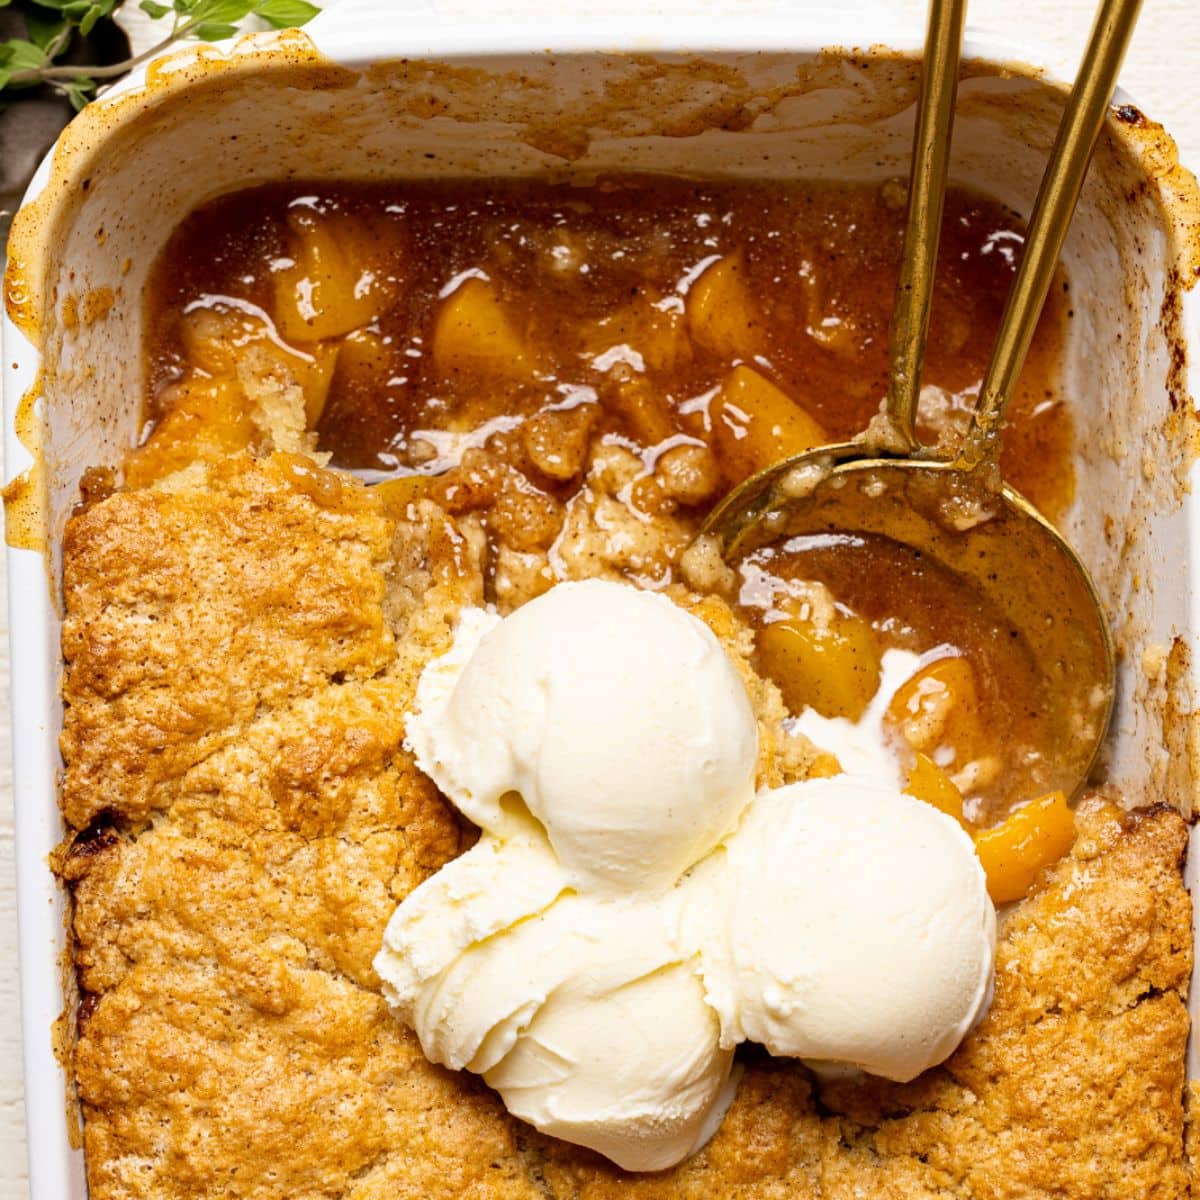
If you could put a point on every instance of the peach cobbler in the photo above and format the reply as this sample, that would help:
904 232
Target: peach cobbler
388 426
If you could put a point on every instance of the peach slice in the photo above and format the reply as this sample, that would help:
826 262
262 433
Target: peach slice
832 666
1032 838
756 423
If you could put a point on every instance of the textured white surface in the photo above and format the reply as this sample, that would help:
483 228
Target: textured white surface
1165 52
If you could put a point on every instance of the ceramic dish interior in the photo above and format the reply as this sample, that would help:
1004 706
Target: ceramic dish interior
431 100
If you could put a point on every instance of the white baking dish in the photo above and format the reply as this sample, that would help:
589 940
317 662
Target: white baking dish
515 98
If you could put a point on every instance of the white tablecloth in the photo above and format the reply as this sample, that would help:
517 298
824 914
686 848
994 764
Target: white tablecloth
1160 74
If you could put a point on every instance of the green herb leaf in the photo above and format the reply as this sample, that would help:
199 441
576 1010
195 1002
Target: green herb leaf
154 11
89 19
19 55
79 91
221 12
23 55
76 11
285 14
214 33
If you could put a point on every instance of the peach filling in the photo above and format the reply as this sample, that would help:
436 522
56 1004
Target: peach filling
578 373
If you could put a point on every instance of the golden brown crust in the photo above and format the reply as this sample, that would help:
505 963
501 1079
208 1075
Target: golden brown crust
188 612
232 1040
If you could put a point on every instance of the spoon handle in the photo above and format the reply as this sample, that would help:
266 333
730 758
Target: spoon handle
923 222
1078 133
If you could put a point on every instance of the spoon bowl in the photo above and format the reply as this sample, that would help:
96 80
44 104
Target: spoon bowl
992 540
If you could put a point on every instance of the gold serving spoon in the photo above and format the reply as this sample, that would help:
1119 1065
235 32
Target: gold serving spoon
957 511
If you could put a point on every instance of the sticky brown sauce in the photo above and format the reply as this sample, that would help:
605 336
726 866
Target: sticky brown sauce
581 267
646 304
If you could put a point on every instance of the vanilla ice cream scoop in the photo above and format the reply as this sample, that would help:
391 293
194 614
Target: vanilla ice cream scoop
616 1049
586 1022
615 716
633 1070
859 929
